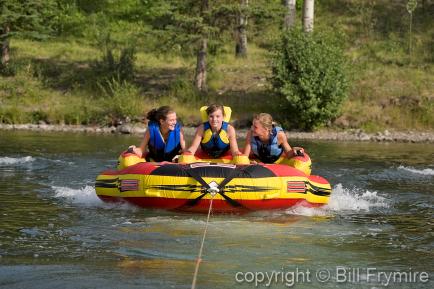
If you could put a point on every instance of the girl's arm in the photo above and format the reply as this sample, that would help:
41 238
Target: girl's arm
233 141
140 151
182 139
281 138
196 140
248 147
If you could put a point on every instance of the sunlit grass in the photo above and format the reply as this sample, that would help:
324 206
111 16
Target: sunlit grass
70 50
389 90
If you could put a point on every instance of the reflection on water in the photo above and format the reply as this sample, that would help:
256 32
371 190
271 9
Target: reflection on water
54 231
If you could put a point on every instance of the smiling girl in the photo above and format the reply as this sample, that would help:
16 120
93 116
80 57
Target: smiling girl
267 142
216 137
164 137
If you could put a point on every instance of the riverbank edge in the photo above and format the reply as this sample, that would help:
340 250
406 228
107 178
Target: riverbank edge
331 135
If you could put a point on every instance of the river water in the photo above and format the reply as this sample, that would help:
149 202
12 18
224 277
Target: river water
376 232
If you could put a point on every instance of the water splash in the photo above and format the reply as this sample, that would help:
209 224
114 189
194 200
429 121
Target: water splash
344 201
13 161
85 196
428 172
355 200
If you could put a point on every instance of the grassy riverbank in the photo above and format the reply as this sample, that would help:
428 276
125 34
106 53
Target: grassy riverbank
57 82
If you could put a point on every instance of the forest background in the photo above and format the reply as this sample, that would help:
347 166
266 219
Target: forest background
107 62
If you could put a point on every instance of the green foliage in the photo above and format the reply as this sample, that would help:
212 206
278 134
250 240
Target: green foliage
7 70
31 18
181 25
309 73
183 90
117 61
12 114
70 20
121 100
75 74
91 6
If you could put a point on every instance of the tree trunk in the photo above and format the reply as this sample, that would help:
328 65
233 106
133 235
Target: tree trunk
5 46
241 45
308 9
290 13
200 78
201 65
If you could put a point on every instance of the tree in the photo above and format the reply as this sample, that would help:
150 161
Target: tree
308 15
411 6
5 45
290 13
200 77
33 18
185 27
241 43
192 27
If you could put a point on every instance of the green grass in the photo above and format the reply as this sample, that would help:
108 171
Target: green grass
56 82
390 89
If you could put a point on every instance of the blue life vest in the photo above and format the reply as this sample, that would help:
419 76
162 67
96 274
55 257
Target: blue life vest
215 144
269 152
158 149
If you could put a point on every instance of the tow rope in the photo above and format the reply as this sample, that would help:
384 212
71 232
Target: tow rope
213 191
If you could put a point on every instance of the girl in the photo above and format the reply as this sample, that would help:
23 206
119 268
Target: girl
164 137
267 141
216 137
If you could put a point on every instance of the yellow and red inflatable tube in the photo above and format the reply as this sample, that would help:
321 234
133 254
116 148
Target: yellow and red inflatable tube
175 186
302 163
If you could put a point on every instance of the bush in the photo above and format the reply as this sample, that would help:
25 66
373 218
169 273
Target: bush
309 73
121 100
117 61
11 114
70 20
7 70
183 89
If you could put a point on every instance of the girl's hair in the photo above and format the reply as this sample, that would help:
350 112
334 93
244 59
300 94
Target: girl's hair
265 120
214 107
160 113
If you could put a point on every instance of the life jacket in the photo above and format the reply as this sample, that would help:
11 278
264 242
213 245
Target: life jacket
215 144
159 150
269 152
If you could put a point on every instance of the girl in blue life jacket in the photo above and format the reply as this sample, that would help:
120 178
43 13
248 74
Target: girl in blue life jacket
164 137
267 142
216 137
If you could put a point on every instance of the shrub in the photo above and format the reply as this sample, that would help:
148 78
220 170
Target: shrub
183 89
70 20
121 100
7 70
309 73
117 60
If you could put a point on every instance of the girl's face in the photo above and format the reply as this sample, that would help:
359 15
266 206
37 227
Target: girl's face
215 119
169 123
258 129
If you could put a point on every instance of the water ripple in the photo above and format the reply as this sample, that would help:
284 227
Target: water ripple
16 161
427 172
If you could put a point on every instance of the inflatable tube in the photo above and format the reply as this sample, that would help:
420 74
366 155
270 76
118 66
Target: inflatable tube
302 163
233 188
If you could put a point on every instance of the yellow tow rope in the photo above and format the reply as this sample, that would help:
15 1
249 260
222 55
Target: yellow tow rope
199 257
